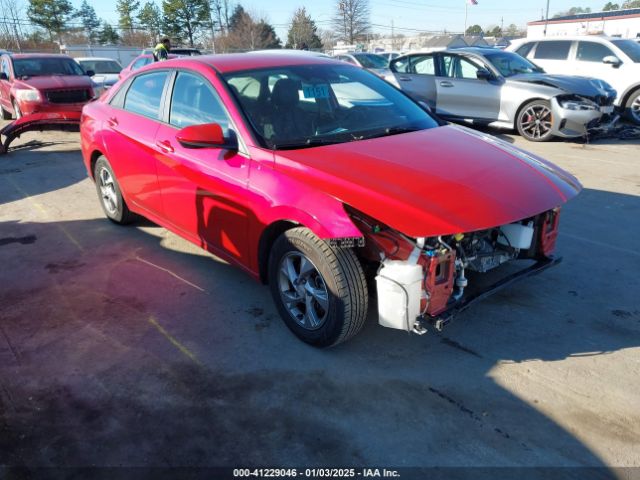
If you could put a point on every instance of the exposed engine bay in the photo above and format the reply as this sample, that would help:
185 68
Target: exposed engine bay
421 281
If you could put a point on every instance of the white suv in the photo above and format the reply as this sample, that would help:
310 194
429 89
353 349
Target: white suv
614 60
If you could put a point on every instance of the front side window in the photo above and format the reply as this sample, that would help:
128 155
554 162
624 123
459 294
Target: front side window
401 65
630 48
553 50
45 66
592 52
460 67
5 66
194 102
145 93
311 105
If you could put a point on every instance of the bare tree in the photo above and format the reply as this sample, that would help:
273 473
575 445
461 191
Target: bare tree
12 11
351 19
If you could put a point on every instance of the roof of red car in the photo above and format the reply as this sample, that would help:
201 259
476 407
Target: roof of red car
39 55
233 62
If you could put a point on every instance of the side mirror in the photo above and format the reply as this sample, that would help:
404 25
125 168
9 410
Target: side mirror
3 76
483 74
90 73
207 135
612 60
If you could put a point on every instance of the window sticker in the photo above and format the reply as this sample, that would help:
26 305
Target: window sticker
315 91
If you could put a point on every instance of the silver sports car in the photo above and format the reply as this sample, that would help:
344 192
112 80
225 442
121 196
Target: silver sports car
502 89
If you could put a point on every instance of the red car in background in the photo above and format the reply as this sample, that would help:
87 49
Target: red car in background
318 177
139 62
41 83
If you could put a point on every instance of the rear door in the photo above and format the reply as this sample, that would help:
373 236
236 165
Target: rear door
416 75
130 133
461 93
203 189
555 56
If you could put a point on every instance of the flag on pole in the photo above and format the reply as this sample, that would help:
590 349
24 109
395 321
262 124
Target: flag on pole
472 2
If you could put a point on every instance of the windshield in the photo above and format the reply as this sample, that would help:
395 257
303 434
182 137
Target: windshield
310 105
631 48
45 66
371 60
509 64
101 66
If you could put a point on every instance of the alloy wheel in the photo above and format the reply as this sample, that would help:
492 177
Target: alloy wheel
108 191
535 121
303 291
16 109
635 109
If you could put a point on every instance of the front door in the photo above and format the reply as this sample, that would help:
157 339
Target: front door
462 94
5 84
203 189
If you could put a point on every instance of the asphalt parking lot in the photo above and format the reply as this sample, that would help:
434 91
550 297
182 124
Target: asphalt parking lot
127 346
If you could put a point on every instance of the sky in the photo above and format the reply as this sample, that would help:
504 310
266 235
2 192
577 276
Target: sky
408 16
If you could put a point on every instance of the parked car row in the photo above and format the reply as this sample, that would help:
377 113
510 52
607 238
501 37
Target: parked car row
324 181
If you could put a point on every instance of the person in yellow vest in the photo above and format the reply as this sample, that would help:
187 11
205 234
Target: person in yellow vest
161 52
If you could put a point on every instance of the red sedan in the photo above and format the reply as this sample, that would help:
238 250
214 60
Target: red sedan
318 177
41 83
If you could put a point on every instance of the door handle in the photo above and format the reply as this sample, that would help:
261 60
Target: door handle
404 79
165 146
113 122
446 84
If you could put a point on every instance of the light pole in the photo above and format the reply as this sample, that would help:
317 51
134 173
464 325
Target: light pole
546 21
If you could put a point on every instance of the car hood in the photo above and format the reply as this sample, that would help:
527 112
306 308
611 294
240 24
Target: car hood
439 181
586 87
56 82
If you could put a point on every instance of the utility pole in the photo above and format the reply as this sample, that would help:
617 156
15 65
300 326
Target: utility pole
546 22
393 37
466 11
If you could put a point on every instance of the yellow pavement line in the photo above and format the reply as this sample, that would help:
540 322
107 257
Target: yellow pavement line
38 206
184 350
175 275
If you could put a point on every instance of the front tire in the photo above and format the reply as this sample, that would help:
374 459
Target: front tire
535 121
6 115
320 290
111 200
632 107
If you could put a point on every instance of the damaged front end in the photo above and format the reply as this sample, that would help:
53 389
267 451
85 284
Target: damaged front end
64 121
424 282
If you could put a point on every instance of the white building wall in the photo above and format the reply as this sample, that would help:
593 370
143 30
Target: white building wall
624 27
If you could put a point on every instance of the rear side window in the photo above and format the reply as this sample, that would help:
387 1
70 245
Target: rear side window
592 52
525 49
141 62
554 50
194 102
424 65
145 94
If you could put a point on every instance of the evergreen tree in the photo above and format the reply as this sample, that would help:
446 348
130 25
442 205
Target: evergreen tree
108 35
52 15
185 19
303 31
89 21
150 19
126 11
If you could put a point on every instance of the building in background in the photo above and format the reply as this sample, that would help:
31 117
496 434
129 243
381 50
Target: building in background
615 23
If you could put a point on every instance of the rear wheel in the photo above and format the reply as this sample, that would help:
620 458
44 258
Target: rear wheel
632 107
320 290
535 121
111 200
